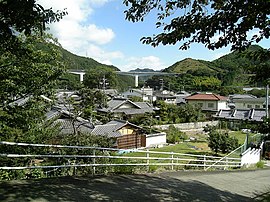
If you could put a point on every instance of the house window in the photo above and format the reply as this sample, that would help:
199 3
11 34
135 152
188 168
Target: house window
249 106
257 107
210 105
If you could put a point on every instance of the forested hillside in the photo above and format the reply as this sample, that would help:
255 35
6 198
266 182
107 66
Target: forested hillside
73 61
78 62
224 75
231 69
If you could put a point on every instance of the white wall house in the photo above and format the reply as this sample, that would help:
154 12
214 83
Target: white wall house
208 101
250 103
145 93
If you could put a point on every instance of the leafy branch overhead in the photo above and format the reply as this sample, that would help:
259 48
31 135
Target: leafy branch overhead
214 23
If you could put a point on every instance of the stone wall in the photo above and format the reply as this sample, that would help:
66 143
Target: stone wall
187 126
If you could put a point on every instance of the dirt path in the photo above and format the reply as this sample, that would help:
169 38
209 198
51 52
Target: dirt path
171 186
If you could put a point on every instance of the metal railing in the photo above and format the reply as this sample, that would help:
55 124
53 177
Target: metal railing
96 157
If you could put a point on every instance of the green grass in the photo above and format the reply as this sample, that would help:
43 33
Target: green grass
239 135
183 148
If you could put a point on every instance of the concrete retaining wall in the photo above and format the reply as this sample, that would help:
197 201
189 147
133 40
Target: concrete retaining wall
187 126
251 156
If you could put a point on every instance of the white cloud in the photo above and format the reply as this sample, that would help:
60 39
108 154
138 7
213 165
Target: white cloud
74 31
77 34
151 62
104 57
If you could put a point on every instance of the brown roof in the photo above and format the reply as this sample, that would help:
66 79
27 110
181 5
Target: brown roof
206 97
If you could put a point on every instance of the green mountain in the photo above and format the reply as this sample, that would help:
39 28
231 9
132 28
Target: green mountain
142 70
190 65
82 63
73 61
231 69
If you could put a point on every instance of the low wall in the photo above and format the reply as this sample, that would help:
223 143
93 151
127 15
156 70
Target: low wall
153 140
251 156
187 126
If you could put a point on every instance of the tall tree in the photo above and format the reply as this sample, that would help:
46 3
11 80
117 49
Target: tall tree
101 77
199 21
26 71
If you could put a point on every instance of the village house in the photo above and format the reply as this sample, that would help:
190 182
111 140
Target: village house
208 101
128 135
252 115
250 103
166 96
122 108
125 134
145 93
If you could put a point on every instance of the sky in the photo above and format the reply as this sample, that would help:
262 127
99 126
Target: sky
97 29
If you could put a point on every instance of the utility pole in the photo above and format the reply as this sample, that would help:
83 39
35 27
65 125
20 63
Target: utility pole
266 101
104 84
162 84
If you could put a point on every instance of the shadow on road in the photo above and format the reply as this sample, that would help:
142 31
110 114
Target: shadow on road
114 188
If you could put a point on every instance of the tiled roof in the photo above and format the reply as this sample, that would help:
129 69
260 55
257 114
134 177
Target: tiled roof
66 126
242 114
108 130
136 107
206 97
250 100
111 129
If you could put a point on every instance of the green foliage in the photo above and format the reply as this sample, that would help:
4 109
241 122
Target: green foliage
174 135
206 83
82 63
69 81
191 22
136 99
170 113
221 142
257 92
263 127
24 78
24 16
260 164
100 78
192 66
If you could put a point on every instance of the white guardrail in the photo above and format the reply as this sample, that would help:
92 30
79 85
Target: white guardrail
143 158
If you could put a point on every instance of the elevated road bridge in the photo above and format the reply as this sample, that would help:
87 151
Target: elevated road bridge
135 74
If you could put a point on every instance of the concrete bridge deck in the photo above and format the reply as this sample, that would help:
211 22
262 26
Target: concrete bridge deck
252 185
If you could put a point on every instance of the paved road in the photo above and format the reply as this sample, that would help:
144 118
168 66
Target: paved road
171 186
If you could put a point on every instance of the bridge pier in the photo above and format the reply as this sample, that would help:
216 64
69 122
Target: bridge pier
81 74
136 80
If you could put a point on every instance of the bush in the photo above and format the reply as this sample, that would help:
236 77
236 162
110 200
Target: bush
260 164
174 135
221 142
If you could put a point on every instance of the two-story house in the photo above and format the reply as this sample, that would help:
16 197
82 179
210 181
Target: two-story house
145 93
208 101
250 103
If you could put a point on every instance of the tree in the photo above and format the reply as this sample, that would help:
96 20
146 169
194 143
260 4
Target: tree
23 79
174 135
100 78
26 71
201 20
221 142
24 17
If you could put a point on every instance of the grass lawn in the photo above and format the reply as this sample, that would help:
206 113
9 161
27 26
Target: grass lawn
199 148
239 135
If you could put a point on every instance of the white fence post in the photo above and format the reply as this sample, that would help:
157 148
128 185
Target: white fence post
204 162
172 160
148 161
94 161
